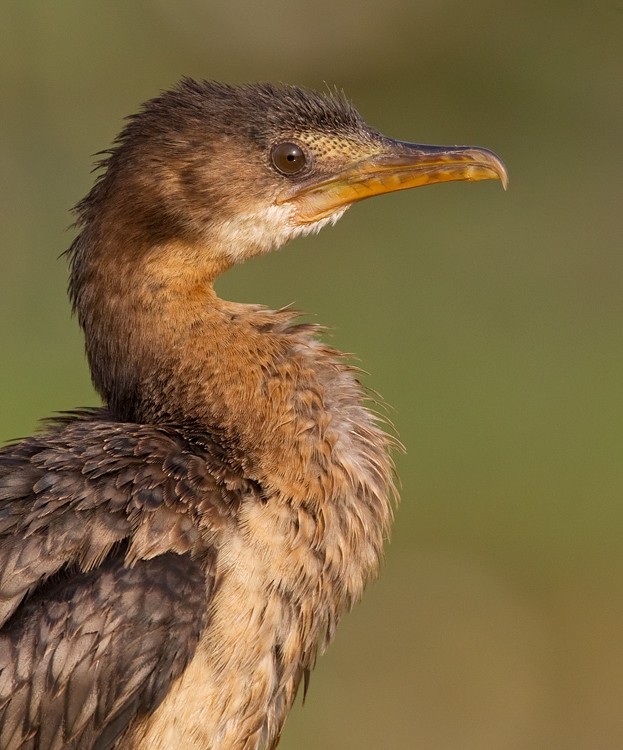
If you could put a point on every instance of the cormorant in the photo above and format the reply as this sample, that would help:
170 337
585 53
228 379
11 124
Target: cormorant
171 563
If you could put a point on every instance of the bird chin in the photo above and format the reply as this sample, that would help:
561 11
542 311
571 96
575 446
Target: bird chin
259 232
313 227
256 232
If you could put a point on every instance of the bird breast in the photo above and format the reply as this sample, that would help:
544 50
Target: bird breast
295 562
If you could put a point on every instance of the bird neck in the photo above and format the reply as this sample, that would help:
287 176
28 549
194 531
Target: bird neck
163 348
152 323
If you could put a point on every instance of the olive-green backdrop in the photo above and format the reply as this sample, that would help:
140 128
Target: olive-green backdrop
490 321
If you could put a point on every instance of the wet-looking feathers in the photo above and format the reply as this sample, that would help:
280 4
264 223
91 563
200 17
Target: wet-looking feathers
172 563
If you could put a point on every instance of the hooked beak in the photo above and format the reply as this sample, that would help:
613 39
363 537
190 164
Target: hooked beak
398 166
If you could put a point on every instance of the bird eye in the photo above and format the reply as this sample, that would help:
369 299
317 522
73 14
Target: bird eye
288 158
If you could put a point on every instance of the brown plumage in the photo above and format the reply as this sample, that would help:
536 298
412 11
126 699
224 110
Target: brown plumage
171 563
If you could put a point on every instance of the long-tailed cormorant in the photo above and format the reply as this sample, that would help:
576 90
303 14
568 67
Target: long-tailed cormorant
171 563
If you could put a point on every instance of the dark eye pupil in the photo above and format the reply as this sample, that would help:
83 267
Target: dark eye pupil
288 158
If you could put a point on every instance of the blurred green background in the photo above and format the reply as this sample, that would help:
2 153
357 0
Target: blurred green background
490 321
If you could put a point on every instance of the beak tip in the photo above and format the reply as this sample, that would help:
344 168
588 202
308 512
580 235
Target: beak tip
498 167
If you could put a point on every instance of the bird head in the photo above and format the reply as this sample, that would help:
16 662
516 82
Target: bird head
239 171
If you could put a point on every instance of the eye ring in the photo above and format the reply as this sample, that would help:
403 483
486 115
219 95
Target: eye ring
288 158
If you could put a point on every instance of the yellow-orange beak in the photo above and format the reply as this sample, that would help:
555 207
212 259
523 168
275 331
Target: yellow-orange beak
398 166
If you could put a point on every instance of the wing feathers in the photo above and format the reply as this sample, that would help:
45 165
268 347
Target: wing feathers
98 646
107 566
